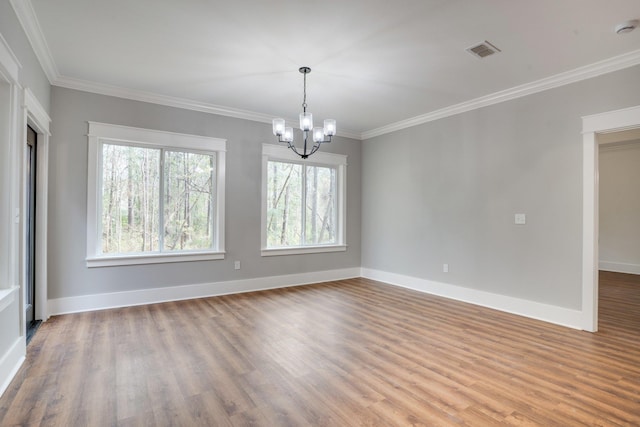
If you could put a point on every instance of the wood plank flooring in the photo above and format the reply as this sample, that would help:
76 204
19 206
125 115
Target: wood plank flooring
347 353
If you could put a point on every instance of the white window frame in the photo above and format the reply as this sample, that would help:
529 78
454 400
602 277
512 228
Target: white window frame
100 133
339 162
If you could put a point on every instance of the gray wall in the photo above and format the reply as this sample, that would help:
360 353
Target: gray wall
68 274
619 173
447 191
31 74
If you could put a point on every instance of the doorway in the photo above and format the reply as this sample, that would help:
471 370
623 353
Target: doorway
32 323
594 129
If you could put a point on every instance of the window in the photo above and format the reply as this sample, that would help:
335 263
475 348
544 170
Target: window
303 202
153 196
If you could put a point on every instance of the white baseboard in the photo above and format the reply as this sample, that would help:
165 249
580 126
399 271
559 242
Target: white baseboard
545 312
174 293
11 362
535 310
619 267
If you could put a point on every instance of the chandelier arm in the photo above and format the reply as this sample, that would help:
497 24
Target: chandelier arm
315 148
289 144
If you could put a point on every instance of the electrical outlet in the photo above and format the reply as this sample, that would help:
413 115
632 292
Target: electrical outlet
445 268
236 265
520 219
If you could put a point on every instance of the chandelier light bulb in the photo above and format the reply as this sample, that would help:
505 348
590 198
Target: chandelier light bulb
288 134
278 127
318 134
306 121
329 127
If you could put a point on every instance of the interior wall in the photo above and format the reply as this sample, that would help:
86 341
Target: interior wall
68 274
619 178
447 192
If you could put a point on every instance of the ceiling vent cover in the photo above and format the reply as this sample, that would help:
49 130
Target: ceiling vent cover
482 50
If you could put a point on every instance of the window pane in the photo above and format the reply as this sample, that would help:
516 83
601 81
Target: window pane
284 204
320 205
188 197
130 205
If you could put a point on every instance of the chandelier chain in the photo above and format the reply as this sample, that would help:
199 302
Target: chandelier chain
304 100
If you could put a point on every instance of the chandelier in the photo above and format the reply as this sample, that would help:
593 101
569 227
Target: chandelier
319 135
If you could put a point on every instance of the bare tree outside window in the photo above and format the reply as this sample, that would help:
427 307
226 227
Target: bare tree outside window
132 202
188 200
300 205
130 205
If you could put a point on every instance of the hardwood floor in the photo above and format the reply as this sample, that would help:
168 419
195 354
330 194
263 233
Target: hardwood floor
347 353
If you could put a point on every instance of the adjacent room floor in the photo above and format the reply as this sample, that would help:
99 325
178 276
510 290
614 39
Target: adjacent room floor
353 352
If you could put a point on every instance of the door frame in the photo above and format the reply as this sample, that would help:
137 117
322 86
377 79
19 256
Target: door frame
35 116
592 125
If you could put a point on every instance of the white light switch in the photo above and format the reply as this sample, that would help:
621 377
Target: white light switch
520 219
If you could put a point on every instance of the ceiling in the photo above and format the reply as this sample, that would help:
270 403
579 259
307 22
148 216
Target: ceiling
375 63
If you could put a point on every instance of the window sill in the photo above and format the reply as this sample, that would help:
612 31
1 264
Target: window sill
303 250
111 261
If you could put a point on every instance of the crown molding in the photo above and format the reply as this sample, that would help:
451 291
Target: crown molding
154 98
170 101
29 22
582 73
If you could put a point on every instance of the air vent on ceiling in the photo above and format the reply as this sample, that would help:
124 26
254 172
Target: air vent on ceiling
482 50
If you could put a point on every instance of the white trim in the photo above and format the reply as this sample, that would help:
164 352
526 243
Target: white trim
609 65
303 250
535 310
590 231
7 297
282 152
155 137
619 267
10 206
9 61
37 112
202 290
338 161
159 258
611 121
29 22
154 98
103 132
172 101
12 357
11 362
36 117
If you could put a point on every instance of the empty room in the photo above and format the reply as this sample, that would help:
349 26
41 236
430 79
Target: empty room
307 213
